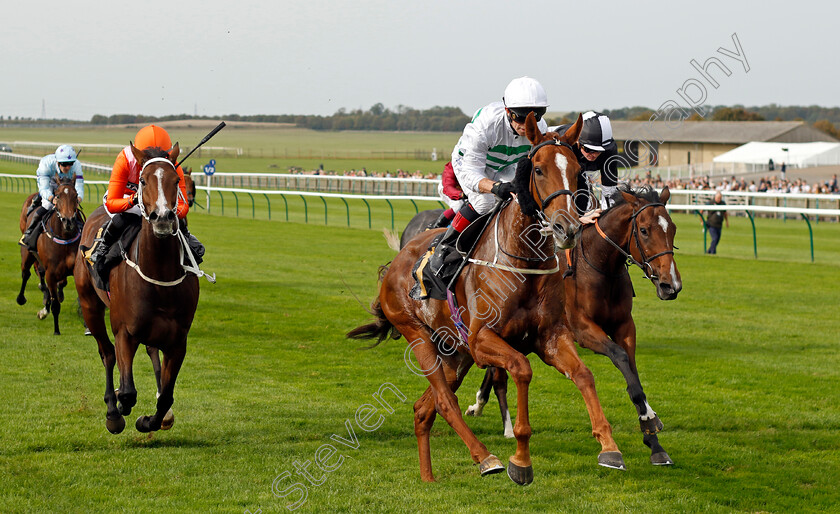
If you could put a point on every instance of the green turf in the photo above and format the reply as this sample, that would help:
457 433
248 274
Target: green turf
742 368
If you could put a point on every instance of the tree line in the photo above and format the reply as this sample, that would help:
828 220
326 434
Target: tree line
452 119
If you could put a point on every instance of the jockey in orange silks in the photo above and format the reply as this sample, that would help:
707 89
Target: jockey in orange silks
121 199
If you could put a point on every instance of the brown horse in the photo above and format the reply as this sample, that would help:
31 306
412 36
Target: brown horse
57 245
599 296
152 299
507 310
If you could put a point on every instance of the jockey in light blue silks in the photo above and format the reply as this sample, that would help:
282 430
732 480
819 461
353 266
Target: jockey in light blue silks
62 165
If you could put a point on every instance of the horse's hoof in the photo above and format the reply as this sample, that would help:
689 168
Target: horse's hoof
651 426
520 475
21 300
661 459
42 314
472 410
56 333
142 424
115 426
490 465
612 460
168 420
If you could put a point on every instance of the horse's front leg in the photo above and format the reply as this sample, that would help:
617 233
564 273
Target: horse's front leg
126 347
492 350
649 421
173 358
559 351
154 356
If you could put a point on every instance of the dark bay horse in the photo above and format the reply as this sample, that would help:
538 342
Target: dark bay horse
152 299
57 246
507 310
599 296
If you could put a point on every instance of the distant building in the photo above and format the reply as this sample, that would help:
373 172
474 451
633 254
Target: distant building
699 142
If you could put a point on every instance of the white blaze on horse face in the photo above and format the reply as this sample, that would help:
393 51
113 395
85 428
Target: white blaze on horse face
161 200
664 224
561 162
675 282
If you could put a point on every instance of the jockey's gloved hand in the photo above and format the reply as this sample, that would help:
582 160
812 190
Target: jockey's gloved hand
133 199
502 189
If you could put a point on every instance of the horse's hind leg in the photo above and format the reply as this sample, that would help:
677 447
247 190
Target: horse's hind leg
561 353
154 356
54 303
443 401
26 261
169 373
482 396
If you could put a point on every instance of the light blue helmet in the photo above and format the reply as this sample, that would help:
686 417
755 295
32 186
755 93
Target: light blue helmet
65 153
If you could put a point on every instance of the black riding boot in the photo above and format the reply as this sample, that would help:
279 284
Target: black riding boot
441 222
443 249
108 235
29 239
195 245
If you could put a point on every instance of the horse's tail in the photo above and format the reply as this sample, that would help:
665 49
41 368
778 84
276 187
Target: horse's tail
392 239
379 329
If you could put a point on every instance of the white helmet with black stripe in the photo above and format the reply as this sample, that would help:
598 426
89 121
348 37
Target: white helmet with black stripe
596 134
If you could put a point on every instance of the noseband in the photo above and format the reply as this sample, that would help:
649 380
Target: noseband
645 266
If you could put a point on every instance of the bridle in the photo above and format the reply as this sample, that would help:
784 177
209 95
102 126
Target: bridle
645 265
545 223
552 196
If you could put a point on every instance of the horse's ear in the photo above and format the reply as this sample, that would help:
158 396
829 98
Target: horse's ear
188 171
573 133
532 130
665 194
630 199
173 154
139 155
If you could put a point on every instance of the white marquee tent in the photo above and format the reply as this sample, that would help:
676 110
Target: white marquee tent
795 155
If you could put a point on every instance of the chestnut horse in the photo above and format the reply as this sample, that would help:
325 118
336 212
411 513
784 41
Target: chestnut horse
505 313
599 296
57 245
153 297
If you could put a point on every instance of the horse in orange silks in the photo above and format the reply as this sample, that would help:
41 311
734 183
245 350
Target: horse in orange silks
508 308
57 245
153 294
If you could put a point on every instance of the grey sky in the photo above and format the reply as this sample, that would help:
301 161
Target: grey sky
315 56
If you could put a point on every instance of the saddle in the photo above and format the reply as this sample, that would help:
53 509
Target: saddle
101 271
427 283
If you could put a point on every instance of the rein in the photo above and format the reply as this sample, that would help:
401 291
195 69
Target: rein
183 245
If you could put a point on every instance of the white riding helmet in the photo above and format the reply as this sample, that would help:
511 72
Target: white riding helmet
525 92
65 153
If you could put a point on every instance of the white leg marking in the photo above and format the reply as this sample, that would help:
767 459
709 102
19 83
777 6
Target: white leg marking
650 414
477 408
508 425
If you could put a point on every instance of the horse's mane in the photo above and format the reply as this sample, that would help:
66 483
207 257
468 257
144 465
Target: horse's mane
154 152
522 187
647 193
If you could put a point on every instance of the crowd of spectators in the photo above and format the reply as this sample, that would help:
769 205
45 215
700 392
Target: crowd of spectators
767 184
